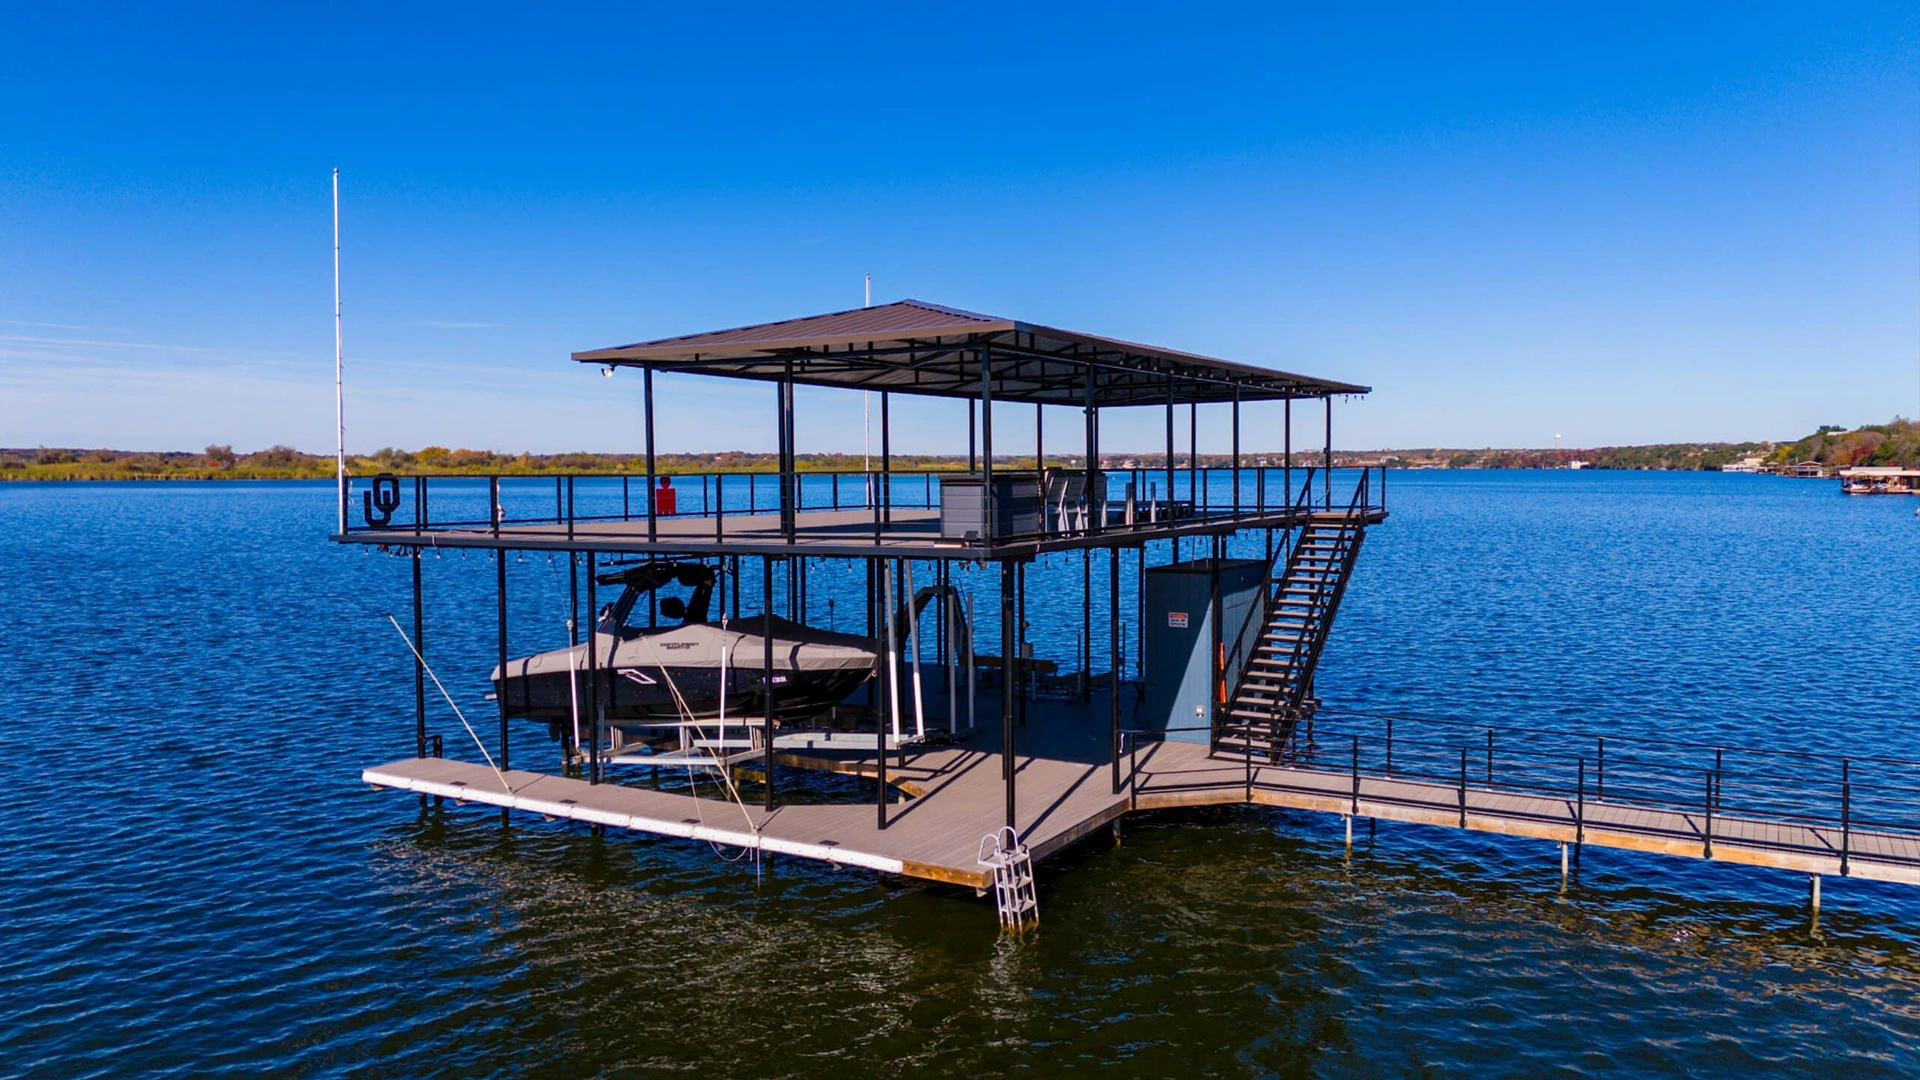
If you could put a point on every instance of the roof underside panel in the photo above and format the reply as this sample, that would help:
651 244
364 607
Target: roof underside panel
920 348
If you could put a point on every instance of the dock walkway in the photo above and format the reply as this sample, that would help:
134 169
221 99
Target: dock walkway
1065 791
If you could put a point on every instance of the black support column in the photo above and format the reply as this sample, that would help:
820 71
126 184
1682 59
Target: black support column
1327 462
766 681
419 666
1008 762
986 443
594 765
653 494
886 462
500 688
1113 658
1236 450
1169 441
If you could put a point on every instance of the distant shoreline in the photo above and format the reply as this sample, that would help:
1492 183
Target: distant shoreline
1893 443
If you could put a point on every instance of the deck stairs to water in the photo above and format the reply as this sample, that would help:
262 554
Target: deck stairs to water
1276 684
1011 864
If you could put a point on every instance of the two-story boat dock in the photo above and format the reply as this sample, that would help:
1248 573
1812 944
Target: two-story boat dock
1215 687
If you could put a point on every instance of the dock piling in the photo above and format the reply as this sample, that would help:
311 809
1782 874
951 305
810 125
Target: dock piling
1707 831
1463 787
1846 814
766 683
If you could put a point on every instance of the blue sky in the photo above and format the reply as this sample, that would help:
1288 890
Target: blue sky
1624 224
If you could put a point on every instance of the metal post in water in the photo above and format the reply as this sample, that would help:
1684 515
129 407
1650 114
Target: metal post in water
1706 833
594 765
1007 647
1113 649
766 679
1846 815
1024 675
1463 787
877 595
500 597
1580 812
1354 806
419 667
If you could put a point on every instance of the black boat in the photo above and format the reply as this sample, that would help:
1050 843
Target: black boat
686 668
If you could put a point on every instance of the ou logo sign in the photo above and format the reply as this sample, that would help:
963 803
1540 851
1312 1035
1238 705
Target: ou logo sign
378 505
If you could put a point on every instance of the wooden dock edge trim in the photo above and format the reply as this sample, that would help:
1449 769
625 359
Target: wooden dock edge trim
1062 841
842 768
680 829
947 875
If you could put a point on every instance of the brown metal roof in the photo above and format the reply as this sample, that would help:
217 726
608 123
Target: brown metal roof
919 348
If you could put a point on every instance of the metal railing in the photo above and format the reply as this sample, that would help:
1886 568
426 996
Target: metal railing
422 503
1805 802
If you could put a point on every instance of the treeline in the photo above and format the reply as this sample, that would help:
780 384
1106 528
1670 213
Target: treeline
1896 443
1669 456
286 463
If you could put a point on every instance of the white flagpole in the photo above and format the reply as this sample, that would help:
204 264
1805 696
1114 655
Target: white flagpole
339 399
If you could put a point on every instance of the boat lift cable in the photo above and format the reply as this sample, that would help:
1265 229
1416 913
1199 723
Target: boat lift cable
726 780
428 668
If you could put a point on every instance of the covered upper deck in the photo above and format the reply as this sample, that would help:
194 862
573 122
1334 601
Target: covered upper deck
914 347
997 507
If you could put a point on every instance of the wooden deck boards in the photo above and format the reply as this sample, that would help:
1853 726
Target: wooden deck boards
1064 793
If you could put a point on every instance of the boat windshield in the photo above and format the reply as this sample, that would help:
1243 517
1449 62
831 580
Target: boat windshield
658 595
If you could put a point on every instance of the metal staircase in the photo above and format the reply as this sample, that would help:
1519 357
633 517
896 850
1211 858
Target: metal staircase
1276 684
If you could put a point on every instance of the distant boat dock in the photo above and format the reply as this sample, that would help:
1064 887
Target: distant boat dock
1879 480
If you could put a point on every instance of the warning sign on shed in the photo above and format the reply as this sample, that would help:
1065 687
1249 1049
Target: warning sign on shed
1177 620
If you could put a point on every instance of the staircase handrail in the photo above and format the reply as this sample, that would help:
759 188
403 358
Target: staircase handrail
1319 605
1269 597
1346 547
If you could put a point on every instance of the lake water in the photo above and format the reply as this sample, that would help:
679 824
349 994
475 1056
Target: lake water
196 884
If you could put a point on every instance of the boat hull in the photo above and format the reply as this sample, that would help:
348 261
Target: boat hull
691 672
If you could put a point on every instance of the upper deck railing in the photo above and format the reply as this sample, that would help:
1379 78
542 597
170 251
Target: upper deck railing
582 505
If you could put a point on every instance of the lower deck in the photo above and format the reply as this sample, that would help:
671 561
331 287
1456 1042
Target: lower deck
953 796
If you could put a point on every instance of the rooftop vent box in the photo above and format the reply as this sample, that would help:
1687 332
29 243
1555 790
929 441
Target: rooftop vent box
963 505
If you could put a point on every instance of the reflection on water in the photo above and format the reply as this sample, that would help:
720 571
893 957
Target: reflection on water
197 884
